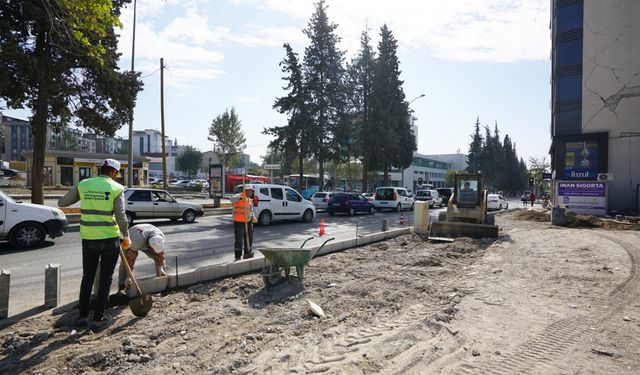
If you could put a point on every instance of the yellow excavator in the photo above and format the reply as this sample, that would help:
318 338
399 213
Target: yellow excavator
466 214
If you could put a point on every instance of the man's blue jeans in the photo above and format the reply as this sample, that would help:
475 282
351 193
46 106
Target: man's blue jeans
105 254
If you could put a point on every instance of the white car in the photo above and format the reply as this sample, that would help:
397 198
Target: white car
203 183
393 198
432 197
155 203
280 202
180 184
320 199
496 202
26 225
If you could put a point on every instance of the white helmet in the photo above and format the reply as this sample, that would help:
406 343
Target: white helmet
248 187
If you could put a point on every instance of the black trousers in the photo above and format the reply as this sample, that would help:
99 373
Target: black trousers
103 253
238 229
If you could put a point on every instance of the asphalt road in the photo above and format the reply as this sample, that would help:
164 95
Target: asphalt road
207 241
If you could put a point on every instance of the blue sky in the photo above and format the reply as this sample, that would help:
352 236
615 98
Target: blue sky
486 58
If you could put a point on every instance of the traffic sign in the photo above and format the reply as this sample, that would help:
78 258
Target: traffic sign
271 166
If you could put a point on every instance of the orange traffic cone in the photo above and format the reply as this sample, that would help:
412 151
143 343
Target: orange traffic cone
321 227
401 219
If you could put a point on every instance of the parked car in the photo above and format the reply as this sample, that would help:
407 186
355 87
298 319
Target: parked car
350 203
27 225
393 198
280 202
10 172
496 202
194 183
155 203
180 184
370 196
445 194
320 199
430 196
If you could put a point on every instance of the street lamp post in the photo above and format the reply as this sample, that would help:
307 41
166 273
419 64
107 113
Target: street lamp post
133 53
410 111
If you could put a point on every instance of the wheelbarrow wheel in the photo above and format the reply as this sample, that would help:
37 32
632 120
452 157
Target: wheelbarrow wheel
273 277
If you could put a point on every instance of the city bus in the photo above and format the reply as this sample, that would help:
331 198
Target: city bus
307 186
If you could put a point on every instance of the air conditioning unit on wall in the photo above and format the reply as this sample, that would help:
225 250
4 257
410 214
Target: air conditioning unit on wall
605 177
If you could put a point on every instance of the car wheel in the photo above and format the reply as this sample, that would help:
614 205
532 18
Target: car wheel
129 218
264 218
189 216
371 210
398 207
351 211
307 216
27 235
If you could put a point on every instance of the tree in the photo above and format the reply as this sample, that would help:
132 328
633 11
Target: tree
360 86
538 166
59 59
189 161
475 150
395 140
324 78
450 179
293 138
226 132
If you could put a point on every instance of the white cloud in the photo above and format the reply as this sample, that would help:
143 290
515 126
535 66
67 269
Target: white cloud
462 30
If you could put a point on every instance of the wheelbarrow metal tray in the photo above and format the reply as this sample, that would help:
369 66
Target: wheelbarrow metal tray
287 257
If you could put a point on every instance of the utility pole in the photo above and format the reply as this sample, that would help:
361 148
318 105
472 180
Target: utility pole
164 152
133 55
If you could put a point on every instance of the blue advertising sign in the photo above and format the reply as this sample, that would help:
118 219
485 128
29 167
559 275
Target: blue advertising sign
581 160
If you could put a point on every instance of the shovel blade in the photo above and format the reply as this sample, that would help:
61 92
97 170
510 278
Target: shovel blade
141 305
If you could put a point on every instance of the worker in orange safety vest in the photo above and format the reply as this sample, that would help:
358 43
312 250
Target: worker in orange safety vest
243 218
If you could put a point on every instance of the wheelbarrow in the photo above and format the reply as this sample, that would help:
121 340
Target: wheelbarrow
282 259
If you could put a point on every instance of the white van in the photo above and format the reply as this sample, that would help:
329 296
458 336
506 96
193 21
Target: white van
280 202
393 198
26 225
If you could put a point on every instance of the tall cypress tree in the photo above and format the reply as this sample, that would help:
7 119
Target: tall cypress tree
292 139
475 150
395 140
360 85
324 77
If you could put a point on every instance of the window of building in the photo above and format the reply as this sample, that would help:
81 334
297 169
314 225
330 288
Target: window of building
85 172
569 17
569 87
569 53
568 122
141 145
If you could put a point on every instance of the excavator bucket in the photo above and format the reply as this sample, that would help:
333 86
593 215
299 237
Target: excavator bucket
445 229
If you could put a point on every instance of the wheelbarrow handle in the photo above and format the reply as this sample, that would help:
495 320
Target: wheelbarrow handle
305 241
321 246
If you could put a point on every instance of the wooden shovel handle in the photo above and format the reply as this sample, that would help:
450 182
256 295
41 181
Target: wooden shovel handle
123 259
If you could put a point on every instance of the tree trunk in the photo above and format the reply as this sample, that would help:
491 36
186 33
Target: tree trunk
40 115
301 168
386 175
320 171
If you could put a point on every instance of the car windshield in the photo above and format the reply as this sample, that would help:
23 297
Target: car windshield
6 197
319 195
162 196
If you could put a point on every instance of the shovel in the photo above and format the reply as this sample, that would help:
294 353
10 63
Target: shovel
141 304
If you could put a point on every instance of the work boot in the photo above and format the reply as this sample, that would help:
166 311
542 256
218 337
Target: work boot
248 255
238 254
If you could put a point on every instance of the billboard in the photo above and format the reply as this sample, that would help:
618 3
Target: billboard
581 160
588 197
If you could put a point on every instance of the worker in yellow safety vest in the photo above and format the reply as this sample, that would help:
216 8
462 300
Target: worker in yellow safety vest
102 221
243 220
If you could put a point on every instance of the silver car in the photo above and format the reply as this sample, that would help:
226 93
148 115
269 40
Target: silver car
156 203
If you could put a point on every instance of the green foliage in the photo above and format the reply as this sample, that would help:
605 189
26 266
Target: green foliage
497 161
60 60
450 179
226 132
538 166
324 77
395 141
189 161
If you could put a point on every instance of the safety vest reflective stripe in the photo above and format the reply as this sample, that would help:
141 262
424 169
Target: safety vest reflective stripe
241 210
97 197
96 212
98 223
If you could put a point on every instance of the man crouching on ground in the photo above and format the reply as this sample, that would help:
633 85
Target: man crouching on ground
151 241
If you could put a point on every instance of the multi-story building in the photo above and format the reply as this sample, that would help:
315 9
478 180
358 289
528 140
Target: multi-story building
458 161
149 141
17 138
595 100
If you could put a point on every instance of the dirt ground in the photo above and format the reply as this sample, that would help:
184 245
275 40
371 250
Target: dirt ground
540 300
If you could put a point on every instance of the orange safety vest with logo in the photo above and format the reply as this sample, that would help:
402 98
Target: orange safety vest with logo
242 209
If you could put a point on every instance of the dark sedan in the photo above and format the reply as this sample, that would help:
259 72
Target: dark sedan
350 203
